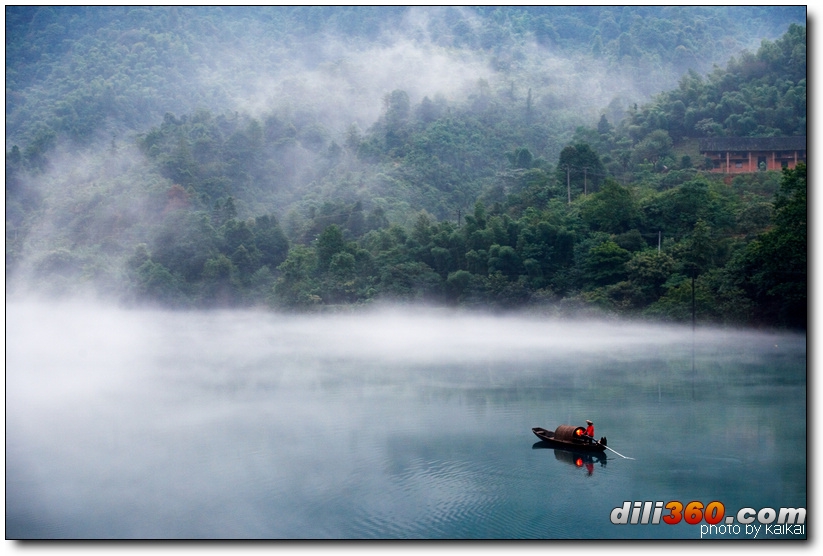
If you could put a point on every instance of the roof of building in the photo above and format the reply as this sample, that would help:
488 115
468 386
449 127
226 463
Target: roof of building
797 143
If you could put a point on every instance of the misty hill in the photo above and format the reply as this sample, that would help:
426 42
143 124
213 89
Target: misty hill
74 70
306 157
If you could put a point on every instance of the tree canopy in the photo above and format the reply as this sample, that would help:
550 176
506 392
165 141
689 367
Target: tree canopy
510 191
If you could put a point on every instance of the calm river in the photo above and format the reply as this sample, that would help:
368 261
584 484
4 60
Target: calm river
393 424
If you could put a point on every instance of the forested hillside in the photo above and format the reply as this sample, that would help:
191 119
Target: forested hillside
302 158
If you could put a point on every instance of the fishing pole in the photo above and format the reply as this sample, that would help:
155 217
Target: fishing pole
616 452
601 444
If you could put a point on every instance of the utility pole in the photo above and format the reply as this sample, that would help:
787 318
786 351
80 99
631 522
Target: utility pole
568 183
693 304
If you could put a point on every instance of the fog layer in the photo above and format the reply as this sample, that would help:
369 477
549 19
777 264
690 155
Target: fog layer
69 351
399 423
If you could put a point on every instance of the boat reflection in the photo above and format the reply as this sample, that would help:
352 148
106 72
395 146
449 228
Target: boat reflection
585 461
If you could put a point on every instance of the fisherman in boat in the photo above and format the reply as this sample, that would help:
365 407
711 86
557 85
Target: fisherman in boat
590 431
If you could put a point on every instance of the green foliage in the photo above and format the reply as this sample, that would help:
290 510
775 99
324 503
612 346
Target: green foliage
613 209
605 264
648 271
757 94
773 267
296 288
270 241
460 200
653 148
580 169
154 282
676 211
456 284
184 243
329 243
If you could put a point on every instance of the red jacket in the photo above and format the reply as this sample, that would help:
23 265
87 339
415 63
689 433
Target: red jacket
590 431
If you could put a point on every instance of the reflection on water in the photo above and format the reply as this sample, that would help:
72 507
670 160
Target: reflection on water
577 459
145 424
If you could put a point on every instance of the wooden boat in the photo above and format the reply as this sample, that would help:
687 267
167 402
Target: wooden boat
568 437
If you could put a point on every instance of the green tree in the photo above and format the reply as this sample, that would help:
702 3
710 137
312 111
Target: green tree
504 259
773 267
606 264
580 168
329 243
522 158
613 209
603 126
237 233
184 243
456 284
700 250
270 240
218 284
339 285
296 288
676 304
155 283
653 148
677 211
649 271
410 281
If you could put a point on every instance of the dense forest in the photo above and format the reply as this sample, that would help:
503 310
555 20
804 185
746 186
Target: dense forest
319 158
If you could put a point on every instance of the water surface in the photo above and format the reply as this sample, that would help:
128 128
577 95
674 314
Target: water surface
392 424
